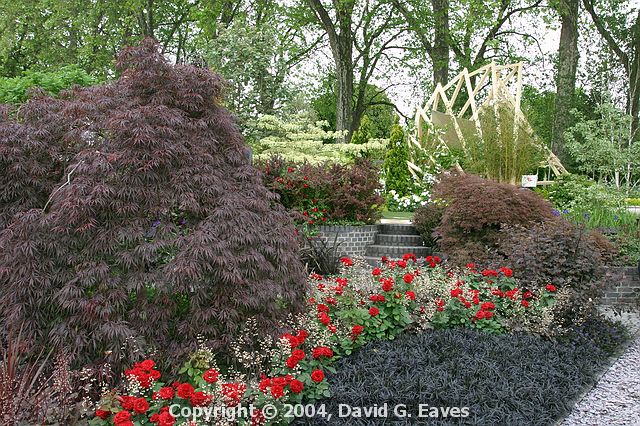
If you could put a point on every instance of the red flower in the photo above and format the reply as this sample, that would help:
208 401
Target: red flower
122 418
525 303
488 314
408 278
480 314
185 390
317 376
324 318
332 328
436 259
290 170
551 287
127 402
356 330
233 392
456 292
527 295
298 354
402 263
211 375
140 405
200 399
322 308
374 311
292 362
439 303
376 272
497 292
489 273
471 265
387 284
507 272
331 301
277 391
296 386
410 295
103 414
166 392
346 261
147 364
488 305
322 351
409 256
376 298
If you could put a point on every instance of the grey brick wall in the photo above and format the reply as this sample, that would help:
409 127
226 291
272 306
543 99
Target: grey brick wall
622 285
353 239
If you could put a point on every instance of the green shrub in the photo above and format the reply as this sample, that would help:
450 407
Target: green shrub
395 170
15 90
426 219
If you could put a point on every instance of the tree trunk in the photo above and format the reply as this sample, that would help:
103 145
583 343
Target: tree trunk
440 53
344 88
634 81
566 75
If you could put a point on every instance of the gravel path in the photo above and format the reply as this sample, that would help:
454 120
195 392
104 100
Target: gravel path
615 400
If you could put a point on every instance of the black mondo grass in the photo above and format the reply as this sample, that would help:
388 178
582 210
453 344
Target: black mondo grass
512 379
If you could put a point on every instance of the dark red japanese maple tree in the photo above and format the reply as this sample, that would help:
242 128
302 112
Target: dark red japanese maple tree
159 229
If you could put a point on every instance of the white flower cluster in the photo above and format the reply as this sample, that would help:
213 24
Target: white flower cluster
409 202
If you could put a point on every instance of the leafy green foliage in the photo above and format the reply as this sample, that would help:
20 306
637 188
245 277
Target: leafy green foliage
601 146
395 170
14 90
299 139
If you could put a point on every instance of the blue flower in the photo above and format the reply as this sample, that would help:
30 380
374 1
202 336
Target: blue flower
565 211
155 224
555 212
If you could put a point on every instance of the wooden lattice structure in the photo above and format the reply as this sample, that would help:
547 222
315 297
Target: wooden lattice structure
458 104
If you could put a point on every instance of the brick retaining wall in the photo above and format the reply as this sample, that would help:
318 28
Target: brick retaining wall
353 239
622 285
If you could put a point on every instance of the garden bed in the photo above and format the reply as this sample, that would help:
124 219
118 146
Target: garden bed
500 379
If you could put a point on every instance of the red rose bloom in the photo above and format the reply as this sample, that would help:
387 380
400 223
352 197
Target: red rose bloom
122 418
456 292
507 272
374 311
298 354
488 314
410 295
185 391
317 376
324 318
277 391
211 375
357 329
525 303
488 305
292 362
147 364
322 308
480 314
166 392
103 414
346 261
471 265
140 405
332 328
376 272
127 402
402 264
296 386
322 351
387 285
551 287
199 399
408 278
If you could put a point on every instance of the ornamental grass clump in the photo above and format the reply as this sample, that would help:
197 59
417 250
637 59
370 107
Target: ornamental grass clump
160 230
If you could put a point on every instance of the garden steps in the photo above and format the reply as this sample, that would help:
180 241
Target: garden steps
393 240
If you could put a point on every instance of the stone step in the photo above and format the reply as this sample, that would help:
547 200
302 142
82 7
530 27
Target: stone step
376 250
398 240
398 229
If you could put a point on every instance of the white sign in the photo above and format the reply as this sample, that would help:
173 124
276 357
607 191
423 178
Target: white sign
529 181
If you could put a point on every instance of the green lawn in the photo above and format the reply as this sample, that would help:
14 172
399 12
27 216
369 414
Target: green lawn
397 215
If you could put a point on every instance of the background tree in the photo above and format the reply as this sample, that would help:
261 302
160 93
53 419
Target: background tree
567 67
